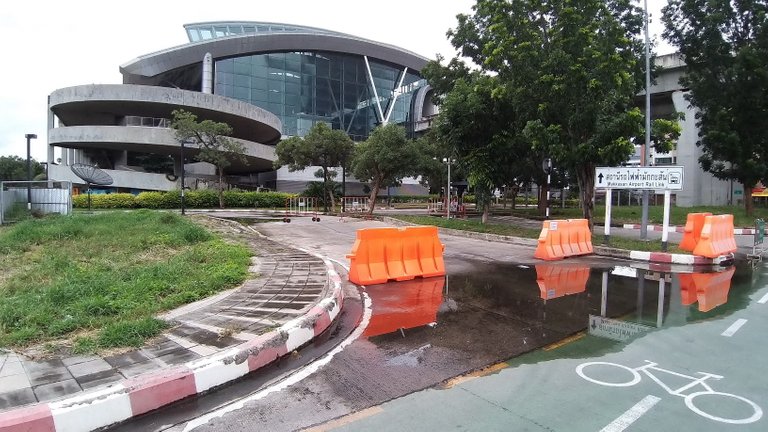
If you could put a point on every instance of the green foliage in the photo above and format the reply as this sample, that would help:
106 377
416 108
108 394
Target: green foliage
323 147
725 48
560 75
172 199
385 158
209 143
109 273
15 168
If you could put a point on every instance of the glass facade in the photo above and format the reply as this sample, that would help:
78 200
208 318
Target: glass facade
303 88
207 31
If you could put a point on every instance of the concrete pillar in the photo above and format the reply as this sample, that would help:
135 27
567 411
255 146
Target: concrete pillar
50 156
207 73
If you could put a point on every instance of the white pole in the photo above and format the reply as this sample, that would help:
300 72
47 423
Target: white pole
608 204
604 296
660 310
448 192
665 228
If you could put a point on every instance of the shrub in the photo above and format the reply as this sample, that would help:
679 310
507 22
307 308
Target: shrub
150 200
205 198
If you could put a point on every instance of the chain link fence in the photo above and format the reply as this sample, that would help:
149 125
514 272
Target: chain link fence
22 199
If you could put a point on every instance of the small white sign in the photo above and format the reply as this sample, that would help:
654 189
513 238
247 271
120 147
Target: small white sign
651 178
614 329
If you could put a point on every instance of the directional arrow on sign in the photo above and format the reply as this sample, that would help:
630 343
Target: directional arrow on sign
600 178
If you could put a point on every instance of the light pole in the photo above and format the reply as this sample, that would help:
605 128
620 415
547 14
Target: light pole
448 191
646 148
181 157
29 137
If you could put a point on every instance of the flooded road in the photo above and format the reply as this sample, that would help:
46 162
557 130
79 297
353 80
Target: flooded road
582 344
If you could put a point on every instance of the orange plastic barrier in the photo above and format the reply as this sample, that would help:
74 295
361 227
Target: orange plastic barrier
382 254
709 289
557 280
414 303
712 288
693 225
563 238
716 237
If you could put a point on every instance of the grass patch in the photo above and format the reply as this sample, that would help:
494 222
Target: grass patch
515 231
109 273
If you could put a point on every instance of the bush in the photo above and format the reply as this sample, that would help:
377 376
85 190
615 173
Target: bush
105 201
206 198
150 200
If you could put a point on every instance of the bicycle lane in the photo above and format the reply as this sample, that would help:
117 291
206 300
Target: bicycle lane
544 391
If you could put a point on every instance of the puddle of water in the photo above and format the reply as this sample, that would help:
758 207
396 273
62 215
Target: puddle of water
551 301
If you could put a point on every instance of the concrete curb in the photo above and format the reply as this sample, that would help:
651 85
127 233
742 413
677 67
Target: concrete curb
131 397
468 234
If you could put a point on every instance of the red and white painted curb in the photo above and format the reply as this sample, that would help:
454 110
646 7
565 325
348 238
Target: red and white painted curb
679 229
685 259
135 396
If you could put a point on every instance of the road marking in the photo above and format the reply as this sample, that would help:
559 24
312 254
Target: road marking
563 342
346 420
632 414
730 331
763 300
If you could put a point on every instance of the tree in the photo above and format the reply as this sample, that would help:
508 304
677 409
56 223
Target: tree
724 45
570 70
323 147
15 168
211 140
384 159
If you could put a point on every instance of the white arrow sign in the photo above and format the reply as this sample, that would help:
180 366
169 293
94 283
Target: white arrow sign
656 178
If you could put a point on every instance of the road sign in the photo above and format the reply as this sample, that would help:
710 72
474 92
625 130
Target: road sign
656 178
614 329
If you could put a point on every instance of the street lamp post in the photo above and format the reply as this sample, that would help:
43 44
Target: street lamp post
448 191
29 137
646 148
181 157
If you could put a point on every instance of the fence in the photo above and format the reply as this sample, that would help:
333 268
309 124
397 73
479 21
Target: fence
19 199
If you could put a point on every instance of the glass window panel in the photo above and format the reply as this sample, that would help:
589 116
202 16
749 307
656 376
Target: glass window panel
242 69
194 36
236 29
292 87
259 71
276 60
275 86
220 31
243 80
260 83
259 95
249 29
323 68
225 65
276 97
336 67
260 60
225 78
242 93
292 102
206 34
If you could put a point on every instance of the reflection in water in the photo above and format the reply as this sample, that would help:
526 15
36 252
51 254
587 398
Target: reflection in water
558 280
404 305
554 301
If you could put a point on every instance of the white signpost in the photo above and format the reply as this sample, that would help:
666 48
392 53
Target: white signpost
666 178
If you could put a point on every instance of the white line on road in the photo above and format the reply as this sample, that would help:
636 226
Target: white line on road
763 300
730 331
632 414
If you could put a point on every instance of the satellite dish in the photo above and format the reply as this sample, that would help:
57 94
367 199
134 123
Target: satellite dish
91 175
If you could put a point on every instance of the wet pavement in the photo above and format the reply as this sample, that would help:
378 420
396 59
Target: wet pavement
553 320
498 303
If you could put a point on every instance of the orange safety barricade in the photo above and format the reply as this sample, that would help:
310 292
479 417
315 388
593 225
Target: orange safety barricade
712 288
563 238
716 237
414 303
382 254
694 222
687 289
557 280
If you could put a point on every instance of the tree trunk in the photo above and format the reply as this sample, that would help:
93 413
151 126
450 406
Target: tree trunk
375 186
586 178
221 188
543 188
748 204
325 189
486 211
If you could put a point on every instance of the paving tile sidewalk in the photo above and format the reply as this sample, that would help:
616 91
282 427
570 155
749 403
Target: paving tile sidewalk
287 283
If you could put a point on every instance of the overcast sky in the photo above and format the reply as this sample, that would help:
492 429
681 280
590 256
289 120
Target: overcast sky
47 45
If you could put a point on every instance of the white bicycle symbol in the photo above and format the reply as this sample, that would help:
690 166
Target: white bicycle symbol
651 366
